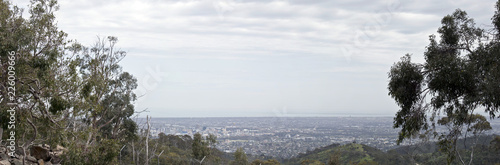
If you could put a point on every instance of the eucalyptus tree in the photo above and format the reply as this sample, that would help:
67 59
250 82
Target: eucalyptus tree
64 93
107 93
37 83
240 158
460 76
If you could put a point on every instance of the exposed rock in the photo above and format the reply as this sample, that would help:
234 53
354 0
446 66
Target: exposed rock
38 155
4 156
56 154
5 162
55 160
31 159
40 152
17 162
59 148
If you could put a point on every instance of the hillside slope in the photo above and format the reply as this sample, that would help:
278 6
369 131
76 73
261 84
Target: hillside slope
485 152
348 154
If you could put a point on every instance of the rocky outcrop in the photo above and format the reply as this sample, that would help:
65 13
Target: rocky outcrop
4 162
40 152
38 155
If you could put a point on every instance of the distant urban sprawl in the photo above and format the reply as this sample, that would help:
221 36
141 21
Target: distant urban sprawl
285 137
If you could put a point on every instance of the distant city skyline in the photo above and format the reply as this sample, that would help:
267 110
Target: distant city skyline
287 137
227 58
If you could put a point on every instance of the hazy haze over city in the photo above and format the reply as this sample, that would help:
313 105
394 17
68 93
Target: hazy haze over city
207 58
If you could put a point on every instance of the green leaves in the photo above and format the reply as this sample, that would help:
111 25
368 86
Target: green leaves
69 94
200 147
405 86
449 31
405 82
461 73
58 104
496 19
240 158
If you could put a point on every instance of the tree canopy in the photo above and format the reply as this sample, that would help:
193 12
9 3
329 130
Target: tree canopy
460 75
64 93
240 158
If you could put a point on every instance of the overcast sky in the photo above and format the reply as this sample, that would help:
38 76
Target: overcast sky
205 58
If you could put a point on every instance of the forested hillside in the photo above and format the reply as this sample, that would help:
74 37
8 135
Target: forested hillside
486 152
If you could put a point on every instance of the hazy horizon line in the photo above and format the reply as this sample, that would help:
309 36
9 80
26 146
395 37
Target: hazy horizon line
275 116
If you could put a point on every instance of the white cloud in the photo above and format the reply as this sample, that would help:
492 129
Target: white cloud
238 54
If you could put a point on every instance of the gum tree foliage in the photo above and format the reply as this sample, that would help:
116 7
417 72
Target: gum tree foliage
461 74
66 94
240 158
107 92
11 29
201 146
41 71
495 143
105 100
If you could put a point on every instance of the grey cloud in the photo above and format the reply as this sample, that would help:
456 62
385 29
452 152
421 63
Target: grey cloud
285 47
